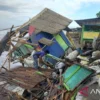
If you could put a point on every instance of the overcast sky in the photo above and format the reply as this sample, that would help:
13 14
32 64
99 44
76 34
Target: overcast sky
16 12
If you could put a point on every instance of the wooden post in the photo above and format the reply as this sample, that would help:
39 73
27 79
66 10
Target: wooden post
72 42
3 64
9 59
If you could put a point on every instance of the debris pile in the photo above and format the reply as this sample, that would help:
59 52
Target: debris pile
52 67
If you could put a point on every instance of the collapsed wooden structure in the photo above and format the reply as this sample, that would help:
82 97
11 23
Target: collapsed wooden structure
46 31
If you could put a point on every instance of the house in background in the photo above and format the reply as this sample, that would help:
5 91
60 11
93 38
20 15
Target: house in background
90 29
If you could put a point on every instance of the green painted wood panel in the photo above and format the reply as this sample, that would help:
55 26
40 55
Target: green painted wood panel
74 75
61 42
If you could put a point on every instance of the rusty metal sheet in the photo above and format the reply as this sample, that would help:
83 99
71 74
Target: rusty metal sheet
26 77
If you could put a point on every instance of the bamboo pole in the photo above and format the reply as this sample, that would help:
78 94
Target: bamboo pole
3 64
20 35
9 59
24 42
9 63
25 24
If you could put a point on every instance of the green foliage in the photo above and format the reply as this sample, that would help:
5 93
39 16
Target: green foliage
98 14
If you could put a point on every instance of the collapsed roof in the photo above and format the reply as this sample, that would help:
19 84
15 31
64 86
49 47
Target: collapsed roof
47 21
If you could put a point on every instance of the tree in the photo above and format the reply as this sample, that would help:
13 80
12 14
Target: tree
98 14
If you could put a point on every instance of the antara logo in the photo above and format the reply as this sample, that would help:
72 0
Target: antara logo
85 91
95 91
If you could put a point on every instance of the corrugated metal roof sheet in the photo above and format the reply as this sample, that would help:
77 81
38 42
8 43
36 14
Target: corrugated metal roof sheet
93 21
26 78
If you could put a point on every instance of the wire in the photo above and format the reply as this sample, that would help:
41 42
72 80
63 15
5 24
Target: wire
9 28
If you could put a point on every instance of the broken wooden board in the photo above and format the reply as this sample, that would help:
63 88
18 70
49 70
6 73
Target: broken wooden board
26 78
46 41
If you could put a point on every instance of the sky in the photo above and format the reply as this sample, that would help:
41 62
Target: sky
17 12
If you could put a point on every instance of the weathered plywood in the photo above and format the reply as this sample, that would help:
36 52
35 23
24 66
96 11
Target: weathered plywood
54 18
49 21
44 28
57 15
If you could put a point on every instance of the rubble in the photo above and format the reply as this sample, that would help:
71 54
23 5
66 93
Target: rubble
61 75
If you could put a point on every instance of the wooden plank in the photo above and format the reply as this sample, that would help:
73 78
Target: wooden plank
45 41
27 77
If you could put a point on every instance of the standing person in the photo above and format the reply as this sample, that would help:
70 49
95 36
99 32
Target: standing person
38 55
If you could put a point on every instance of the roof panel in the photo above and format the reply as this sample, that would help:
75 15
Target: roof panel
93 21
49 21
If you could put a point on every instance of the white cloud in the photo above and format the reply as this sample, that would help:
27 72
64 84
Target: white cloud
22 10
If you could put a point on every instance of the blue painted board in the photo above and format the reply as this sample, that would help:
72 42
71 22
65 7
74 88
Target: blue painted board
36 37
55 49
65 38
